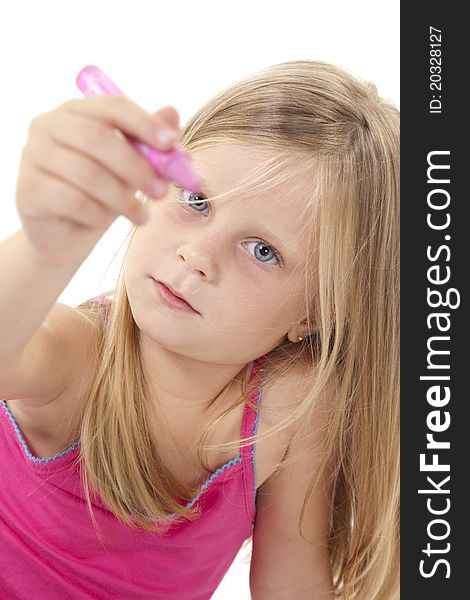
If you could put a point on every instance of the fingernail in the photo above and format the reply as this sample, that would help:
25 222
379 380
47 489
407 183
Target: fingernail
166 136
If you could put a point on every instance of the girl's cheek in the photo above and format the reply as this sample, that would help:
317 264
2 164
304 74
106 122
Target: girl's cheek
164 212
176 214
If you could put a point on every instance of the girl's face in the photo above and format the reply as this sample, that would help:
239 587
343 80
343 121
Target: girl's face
239 262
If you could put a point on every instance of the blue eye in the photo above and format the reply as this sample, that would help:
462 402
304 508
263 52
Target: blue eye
195 200
266 253
199 203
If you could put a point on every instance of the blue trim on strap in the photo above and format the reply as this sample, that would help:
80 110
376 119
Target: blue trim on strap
208 481
25 446
255 429
234 461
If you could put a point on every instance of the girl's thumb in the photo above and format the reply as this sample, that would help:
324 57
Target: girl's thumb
170 115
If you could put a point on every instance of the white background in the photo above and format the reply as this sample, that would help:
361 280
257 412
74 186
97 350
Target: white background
178 54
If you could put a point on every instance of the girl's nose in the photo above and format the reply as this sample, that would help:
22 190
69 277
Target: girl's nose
200 255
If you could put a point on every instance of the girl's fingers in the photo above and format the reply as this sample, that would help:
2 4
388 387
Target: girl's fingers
129 117
74 205
91 138
90 184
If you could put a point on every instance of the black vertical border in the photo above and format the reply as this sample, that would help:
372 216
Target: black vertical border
421 133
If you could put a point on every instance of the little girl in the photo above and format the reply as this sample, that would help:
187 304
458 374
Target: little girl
259 313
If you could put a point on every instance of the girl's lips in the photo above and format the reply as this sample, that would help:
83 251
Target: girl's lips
170 299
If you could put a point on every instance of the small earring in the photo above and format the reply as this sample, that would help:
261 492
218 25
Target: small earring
300 338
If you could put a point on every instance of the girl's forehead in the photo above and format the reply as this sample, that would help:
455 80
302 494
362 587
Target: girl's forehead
227 163
252 172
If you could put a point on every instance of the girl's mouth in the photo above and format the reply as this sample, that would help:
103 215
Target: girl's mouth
170 299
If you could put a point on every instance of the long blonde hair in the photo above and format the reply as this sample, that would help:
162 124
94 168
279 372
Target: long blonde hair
347 140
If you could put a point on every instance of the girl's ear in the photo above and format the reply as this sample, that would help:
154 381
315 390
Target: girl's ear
304 331
170 115
301 330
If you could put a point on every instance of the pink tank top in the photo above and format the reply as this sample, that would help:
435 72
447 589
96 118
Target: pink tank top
49 549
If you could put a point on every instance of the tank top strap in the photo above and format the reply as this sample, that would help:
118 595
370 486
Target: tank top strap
249 428
250 415
105 304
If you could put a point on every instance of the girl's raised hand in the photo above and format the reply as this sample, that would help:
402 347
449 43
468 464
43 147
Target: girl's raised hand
77 174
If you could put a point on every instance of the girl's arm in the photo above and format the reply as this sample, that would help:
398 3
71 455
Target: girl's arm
28 292
41 340
283 565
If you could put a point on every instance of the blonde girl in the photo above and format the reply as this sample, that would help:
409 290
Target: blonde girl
144 438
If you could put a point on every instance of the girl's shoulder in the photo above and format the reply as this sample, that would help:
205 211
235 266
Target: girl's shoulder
288 382
285 389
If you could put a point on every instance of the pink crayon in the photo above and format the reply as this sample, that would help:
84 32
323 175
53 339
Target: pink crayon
172 165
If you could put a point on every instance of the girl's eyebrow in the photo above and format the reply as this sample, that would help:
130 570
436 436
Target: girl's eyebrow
270 235
204 187
279 243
